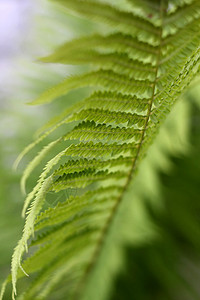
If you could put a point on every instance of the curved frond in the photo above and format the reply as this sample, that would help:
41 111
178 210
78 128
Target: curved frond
137 72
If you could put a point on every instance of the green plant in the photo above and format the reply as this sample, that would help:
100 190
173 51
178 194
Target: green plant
139 70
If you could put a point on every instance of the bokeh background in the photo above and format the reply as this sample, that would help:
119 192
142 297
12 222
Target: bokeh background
156 254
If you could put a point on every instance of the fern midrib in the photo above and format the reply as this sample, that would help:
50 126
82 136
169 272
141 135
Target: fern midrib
132 169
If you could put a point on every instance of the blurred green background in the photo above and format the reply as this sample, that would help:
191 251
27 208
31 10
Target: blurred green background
157 247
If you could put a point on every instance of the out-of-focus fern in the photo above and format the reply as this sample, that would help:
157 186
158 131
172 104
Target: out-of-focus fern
139 69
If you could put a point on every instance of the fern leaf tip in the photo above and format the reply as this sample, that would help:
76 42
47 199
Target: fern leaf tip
16 163
23 188
23 270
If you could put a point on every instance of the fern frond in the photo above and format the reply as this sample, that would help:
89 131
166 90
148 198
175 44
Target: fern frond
116 101
87 131
101 100
138 72
99 150
83 164
28 230
103 78
84 178
117 62
32 165
115 42
120 20
73 204
107 116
